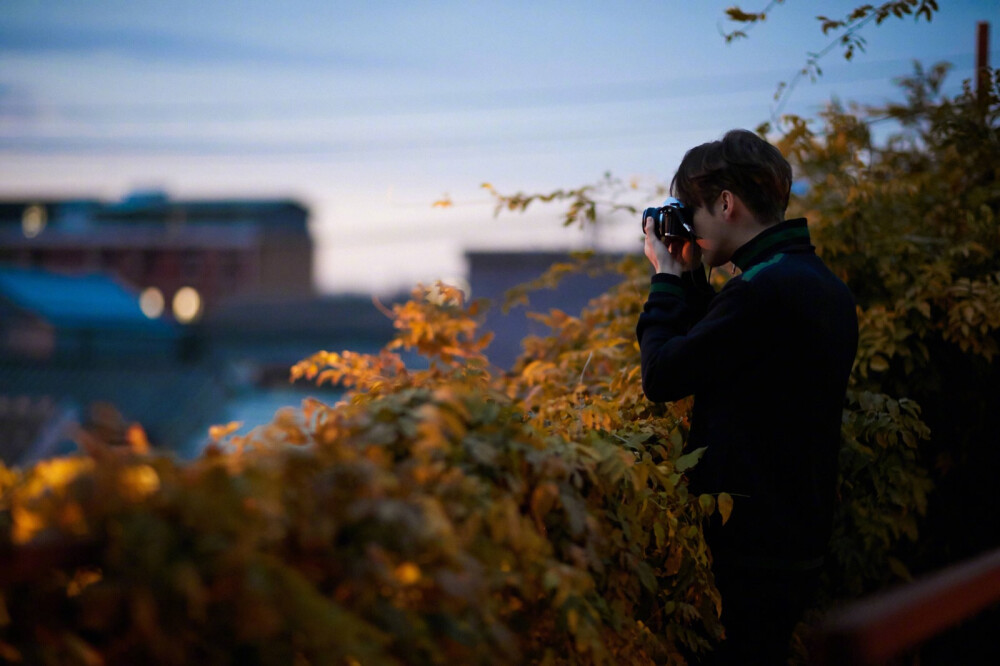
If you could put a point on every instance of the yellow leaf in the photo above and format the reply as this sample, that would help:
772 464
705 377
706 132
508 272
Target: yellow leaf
26 525
136 438
879 364
139 482
407 573
217 432
725 503
56 473
81 580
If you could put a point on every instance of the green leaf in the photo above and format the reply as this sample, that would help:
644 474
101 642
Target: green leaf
689 460
707 503
660 534
646 576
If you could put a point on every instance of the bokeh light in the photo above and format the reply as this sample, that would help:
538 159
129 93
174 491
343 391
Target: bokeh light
151 302
187 305
33 221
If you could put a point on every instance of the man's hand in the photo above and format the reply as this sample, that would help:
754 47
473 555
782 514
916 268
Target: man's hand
674 257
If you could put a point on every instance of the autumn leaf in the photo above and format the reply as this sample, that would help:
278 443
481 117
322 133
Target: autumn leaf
725 502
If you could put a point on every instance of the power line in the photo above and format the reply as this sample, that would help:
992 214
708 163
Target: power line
510 99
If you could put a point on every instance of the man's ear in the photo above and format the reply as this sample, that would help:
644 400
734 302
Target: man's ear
728 200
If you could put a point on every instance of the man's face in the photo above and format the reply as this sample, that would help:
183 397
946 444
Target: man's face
712 232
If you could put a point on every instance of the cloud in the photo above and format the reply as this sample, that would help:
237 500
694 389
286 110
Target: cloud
153 46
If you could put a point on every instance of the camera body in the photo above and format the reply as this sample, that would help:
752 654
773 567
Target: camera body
671 220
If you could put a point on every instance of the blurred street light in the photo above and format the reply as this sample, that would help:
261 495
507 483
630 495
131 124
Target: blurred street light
187 305
151 302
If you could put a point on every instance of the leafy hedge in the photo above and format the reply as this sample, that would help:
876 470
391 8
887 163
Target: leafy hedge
450 514
427 519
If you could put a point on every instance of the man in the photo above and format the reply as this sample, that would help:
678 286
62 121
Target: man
767 360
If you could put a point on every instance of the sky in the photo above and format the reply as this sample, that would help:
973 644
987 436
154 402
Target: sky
368 112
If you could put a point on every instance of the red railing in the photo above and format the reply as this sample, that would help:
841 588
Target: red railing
877 629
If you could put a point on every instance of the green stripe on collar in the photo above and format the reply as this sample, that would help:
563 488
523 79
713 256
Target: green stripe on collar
666 288
748 275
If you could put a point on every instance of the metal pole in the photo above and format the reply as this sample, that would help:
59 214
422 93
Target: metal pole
982 60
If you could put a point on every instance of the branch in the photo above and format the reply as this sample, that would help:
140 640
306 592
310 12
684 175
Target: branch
737 15
849 38
585 366
851 41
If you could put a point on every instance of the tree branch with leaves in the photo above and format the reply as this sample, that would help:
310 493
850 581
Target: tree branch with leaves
846 32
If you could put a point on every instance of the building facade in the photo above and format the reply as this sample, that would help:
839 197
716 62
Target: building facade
492 274
185 257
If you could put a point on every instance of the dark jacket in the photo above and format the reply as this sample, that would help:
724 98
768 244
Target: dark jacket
767 360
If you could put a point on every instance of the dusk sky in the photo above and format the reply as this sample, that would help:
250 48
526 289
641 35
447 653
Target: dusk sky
368 112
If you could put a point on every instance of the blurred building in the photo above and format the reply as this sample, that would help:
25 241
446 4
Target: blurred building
492 274
73 344
93 295
78 350
185 257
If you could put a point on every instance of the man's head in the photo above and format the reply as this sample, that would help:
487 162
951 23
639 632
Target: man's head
742 163
735 187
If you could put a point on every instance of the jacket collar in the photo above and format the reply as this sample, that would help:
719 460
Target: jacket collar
781 237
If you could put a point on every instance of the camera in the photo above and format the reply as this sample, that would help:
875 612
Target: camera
671 220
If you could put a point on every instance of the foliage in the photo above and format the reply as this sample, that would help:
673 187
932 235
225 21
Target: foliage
882 492
909 218
429 517
450 513
912 226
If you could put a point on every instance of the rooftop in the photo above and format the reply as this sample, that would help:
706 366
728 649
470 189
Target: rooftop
92 300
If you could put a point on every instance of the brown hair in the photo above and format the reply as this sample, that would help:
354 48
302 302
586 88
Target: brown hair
742 163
